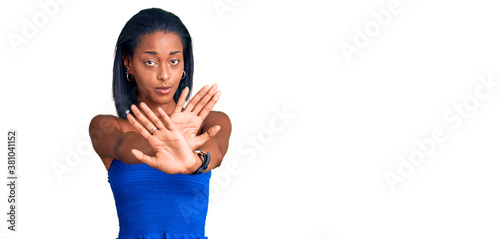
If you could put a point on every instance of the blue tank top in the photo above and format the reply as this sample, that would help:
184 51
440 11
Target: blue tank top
153 204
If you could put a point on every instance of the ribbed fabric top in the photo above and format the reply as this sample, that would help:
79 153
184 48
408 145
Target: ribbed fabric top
153 204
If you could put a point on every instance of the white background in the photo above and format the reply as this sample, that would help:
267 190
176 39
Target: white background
320 173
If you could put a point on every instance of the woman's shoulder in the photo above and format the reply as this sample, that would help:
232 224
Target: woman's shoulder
104 121
217 114
104 117
217 118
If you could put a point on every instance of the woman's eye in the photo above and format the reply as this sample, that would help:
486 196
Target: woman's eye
150 63
175 61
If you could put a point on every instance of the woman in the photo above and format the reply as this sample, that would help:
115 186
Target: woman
159 158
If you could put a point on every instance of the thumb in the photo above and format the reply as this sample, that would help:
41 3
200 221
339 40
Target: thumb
139 155
203 138
213 131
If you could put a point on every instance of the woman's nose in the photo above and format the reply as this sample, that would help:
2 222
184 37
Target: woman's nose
163 72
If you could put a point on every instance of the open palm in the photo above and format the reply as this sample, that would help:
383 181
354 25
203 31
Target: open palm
172 152
188 120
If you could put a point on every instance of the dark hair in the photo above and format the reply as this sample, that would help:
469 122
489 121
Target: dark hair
143 23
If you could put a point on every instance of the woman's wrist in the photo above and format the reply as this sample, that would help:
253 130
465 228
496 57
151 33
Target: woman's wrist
205 159
197 163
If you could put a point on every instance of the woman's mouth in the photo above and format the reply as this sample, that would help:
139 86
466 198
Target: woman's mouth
163 90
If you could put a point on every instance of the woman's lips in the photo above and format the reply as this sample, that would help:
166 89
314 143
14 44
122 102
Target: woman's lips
163 90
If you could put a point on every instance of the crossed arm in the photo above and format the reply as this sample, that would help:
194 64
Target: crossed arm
170 147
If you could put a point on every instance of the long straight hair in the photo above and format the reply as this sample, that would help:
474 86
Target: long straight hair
143 23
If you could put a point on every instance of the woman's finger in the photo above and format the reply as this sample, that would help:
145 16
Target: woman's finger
139 155
151 115
203 138
140 129
209 106
168 122
182 99
206 98
142 119
196 98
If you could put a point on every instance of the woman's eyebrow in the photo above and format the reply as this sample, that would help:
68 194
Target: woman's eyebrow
154 52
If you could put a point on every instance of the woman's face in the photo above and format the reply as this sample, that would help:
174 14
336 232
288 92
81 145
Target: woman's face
157 66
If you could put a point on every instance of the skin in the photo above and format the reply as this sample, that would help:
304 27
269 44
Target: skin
158 62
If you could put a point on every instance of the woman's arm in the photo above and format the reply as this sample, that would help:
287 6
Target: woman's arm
172 153
218 145
109 141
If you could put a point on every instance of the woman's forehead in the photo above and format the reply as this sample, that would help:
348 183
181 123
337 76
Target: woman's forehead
163 43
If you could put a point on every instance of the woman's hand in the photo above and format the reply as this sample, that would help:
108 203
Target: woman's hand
188 120
172 153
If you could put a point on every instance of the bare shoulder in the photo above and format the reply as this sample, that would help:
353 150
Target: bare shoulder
106 132
109 122
218 118
104 117
218 115
104 123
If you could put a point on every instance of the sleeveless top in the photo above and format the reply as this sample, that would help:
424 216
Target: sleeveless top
153 204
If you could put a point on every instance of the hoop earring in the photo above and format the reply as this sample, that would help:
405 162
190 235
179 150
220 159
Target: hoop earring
183 75
130 77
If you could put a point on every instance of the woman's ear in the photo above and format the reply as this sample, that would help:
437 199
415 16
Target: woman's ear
127 62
